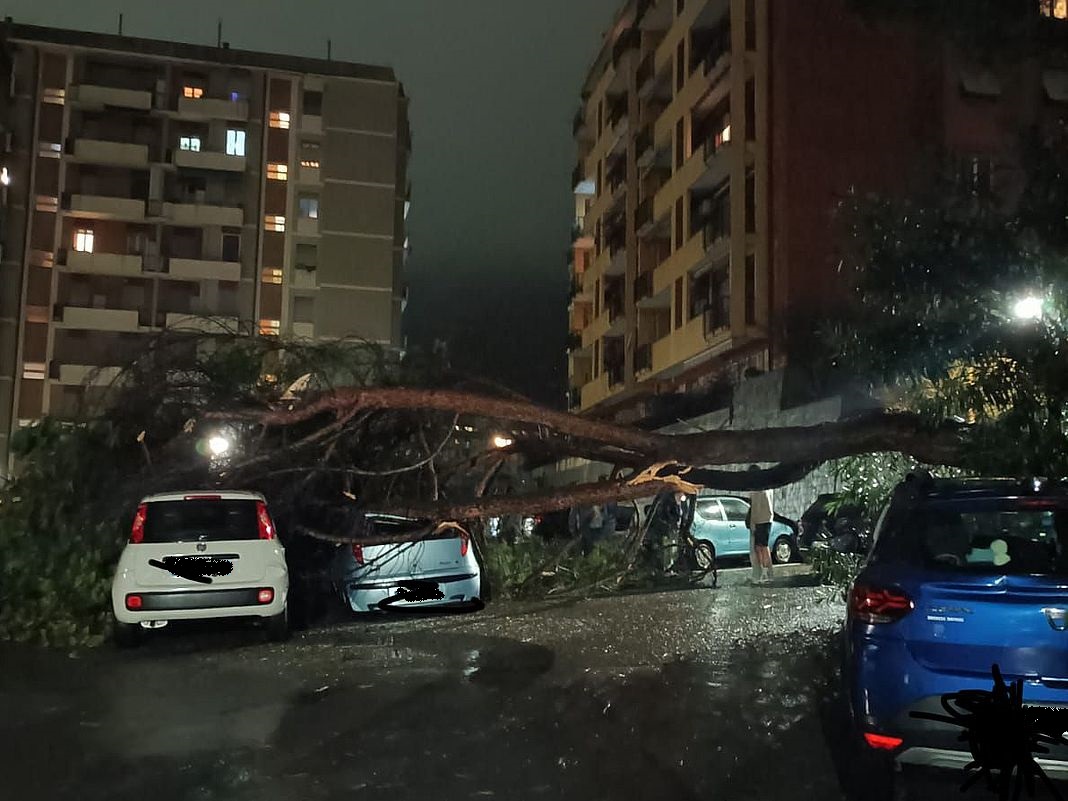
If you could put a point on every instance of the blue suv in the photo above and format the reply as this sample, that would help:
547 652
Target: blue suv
962 575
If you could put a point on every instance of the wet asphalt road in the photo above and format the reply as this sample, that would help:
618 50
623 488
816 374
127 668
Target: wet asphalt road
690 694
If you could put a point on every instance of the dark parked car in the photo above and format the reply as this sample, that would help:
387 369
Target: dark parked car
844 527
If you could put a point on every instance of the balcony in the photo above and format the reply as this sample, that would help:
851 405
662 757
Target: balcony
212 108
643 217
595 391
194 214
204 270
100 207
77 375
616 374
646 74
678 346
100 97
181 321
100 319
99 151
625 46
643 286
717 317
643 358
104 263
645 152
595 330
206 160
579 129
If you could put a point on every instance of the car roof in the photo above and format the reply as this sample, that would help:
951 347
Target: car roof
952 488
190 495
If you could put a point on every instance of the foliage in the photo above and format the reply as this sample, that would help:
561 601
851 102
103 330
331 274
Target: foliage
935 280
835 569
526 568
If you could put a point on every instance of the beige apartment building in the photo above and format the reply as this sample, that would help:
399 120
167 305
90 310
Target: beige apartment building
670 256
151 185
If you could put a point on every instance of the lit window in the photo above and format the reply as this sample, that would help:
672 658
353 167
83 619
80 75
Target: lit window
309 154
1058 9
235 142
309 207
47 203
279 119
193 92
272 275
34 371
278 172
270 328
56 96
50 150
275 222
309 163
190 143
83 240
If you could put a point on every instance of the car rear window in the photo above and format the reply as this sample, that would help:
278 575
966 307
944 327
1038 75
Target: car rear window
209 520
1004 536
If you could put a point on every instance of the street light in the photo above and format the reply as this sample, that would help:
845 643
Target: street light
501 442
1028 308
218 445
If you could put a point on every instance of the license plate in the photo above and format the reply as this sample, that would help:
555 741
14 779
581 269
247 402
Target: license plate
414 592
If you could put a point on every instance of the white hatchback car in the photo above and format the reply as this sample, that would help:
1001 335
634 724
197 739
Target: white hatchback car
441 570
197 556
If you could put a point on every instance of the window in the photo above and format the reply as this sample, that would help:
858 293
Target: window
307 256
279 119
750 112
737 509
235 142
275 222
309 155
270 328
680 144
750 201
271 275
193 92
680 66
313 104
277 172
1057 9
750 25
709 509
309 207
190 143
600 121
678 303
54 96
83 240
303 310
750 289
231 247
34 371
596 358
679 224
597 298
50 150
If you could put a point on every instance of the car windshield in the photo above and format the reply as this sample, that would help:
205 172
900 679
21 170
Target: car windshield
208 520
1010 536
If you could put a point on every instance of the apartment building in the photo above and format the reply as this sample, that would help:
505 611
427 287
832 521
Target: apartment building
150 185
715 138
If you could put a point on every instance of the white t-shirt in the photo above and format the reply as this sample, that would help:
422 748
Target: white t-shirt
760 505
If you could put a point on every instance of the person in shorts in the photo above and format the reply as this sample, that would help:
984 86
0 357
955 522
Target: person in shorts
761 513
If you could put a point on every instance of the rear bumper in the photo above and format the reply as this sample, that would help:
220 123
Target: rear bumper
199 604
365 596
946 759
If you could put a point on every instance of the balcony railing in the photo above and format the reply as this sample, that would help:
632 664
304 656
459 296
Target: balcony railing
616 372
643 358
643 216
617 111
717 315
643 144
646 71
615 304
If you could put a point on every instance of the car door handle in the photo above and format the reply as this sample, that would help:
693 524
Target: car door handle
734 525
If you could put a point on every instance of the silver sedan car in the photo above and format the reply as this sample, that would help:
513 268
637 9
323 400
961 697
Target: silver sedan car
440 570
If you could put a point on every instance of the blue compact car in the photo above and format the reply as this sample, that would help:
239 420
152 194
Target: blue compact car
720 519
963 575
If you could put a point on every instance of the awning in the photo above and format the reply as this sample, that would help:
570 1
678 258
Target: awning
1056 84
980 82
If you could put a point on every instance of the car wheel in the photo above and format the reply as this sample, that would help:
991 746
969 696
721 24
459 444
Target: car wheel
278 626
783 552
126 635
704 555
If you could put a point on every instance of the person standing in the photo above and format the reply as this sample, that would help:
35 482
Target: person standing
761 513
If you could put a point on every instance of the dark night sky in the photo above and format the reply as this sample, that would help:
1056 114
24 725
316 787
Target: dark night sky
493 86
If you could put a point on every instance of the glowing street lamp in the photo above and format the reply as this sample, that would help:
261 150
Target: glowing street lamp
501 442
1028 308
219 446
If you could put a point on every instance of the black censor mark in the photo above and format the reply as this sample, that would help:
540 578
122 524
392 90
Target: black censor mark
1004 736
194 568
413 591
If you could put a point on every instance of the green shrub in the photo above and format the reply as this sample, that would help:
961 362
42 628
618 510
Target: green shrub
835 569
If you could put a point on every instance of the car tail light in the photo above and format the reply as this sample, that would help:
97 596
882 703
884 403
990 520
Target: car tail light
465 543
882 741
357 553
137 530
264 520
134 602
878 604
202 498
265 596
